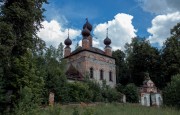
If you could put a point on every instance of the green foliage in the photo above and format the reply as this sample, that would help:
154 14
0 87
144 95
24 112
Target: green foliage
96 90
176 30
26 104
171 93
54 110
59 51
130 91
55 77
75 111
19 22
111 95
122 72
142 57
112 109
79 92
88 111
171 57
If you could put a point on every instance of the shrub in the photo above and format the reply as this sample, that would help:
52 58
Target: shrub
130 91
96 90
26 104
79 92
110 94
171 93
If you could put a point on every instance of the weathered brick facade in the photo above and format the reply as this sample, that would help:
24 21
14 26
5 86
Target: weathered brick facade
85 60
88 60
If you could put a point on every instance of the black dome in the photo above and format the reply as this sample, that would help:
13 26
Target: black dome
88 25
107 41
85 32
68 42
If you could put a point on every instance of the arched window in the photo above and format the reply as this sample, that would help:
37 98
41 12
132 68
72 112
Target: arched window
101 74
110 76
91 72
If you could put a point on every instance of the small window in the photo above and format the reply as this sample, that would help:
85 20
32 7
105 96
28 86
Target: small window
110 76
91 72
101 74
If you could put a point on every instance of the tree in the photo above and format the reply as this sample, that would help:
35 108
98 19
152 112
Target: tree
60 51
171 93
121 67
130 91
141 58
176 30
170 54
19 20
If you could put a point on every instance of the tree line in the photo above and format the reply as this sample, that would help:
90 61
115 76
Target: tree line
29 70
140 57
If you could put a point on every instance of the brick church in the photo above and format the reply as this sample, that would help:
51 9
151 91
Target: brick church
90 61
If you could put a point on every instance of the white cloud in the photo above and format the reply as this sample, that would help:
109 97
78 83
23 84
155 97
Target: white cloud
120 32
160 6
161 26
53 33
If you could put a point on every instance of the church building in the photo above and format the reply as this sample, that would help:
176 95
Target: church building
90 61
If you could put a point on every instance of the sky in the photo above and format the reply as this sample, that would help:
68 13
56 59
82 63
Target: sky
125 19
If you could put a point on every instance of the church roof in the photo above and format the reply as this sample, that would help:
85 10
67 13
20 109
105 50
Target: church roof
73 74
91 49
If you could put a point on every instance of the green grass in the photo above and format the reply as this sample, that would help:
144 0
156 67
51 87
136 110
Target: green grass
108 109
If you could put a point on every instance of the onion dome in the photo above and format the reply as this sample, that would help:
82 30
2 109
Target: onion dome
107 41
68 42
88 25
85 32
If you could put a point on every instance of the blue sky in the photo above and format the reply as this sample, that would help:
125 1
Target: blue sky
125 19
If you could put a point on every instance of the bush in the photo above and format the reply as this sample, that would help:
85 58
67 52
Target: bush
96 90
26 104
130 91
171 93
91 91
79 92
110 94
